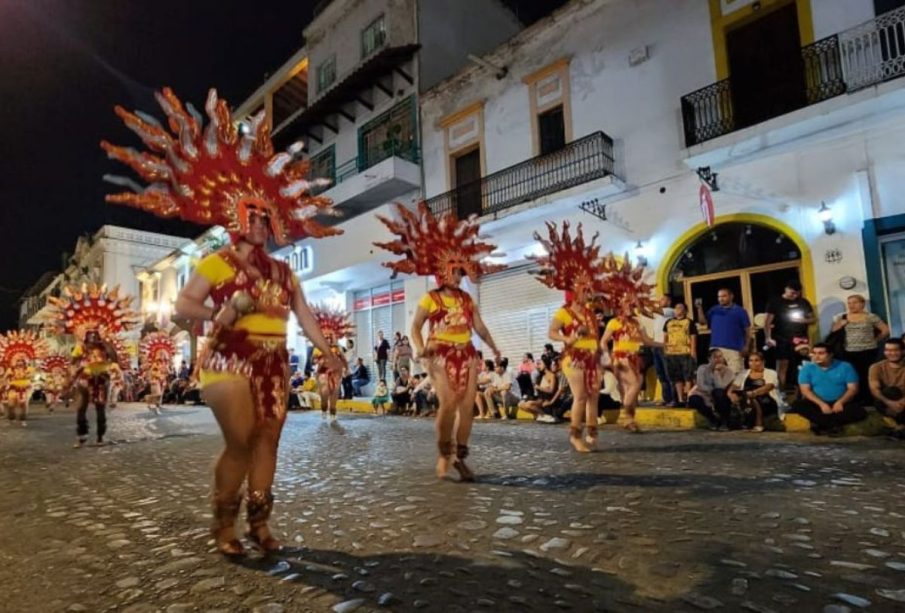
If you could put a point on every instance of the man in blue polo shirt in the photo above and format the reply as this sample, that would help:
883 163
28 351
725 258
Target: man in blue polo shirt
828 392
730 328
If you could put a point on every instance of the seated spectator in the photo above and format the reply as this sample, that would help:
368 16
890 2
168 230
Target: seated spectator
524 377
499 395
828 388
425 397
484 379
545 390
887 384
357 378
709 396
381 397
609 397
561 402
402 392
550 352
756 392
308 394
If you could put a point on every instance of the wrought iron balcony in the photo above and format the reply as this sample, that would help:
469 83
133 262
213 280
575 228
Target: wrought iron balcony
580 161
366 159
842 63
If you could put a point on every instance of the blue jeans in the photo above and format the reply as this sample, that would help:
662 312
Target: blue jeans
662 377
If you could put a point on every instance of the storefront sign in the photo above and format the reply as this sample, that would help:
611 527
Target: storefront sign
706 203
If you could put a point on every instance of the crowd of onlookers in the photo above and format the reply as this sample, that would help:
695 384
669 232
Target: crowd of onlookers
747 374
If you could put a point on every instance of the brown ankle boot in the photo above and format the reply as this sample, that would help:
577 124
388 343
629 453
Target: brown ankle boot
465 473
258 506
224 523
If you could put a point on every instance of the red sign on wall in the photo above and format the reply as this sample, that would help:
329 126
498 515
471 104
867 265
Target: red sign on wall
706 203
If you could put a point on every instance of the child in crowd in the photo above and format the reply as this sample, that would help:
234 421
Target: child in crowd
381 397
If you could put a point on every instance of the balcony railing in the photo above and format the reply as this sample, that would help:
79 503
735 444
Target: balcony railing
366 159
856 58
580 161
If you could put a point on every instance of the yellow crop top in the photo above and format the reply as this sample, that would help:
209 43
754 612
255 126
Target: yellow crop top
585 343
454 328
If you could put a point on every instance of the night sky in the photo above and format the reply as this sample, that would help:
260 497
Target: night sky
64 64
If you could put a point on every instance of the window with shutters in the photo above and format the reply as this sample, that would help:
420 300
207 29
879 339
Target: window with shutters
373 37
551 107
326 74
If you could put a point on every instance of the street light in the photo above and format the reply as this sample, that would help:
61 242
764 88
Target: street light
826 216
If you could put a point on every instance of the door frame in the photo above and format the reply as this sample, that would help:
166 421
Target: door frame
745 274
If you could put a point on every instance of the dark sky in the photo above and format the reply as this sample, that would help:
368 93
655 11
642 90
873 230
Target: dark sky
64 64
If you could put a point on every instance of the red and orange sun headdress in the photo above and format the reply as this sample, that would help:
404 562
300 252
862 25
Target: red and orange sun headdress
22 345
333 322
214 176
570 264
624 281
156 347
55 363
92 308
437 247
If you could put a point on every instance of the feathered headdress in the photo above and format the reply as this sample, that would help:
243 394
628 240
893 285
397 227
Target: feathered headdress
624 281
333 322
215 176
432 246
569 263
91 307
19 345
155 347
55 363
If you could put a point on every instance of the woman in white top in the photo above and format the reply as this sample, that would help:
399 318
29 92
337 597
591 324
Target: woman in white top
756 389
863 333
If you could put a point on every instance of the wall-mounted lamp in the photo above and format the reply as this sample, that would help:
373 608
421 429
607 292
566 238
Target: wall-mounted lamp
641 253
826 216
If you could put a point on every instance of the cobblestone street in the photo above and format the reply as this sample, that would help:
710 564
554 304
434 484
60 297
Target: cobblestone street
673 521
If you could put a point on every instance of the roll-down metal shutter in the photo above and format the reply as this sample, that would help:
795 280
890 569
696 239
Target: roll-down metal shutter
517 310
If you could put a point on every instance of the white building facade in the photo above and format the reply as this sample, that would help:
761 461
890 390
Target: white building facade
608 114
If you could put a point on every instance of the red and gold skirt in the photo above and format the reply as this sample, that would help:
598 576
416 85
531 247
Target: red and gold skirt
584 360
456 360
18 394
261 360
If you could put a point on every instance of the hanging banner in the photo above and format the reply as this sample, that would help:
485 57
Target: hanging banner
706 202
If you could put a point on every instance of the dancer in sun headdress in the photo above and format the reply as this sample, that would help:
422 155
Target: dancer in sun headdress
156 352
211 175
628 296
574 266
96 317
335 325
56 378
449 250
20 352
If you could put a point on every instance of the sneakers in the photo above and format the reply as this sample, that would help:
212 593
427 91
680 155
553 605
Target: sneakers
79 442
546 419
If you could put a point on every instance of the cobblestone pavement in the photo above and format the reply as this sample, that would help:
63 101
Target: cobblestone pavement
673 521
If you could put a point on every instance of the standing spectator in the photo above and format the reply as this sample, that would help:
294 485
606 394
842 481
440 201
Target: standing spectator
293 361
756 392
730 328
709 395
659 353
786 325
499 394
829 390
887 384
381 355
397 340
484 379
680 338
863 331
402 392
402 355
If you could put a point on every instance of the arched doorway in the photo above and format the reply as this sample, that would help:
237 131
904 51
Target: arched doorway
753 255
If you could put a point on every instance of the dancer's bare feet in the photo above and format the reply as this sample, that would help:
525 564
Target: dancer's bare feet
577 443
444 451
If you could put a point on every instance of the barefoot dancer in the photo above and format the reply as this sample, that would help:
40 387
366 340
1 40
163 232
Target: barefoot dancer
575 267
449 250
628 296
212 175
96 317
20 350
156 352
335 325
